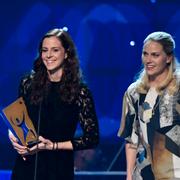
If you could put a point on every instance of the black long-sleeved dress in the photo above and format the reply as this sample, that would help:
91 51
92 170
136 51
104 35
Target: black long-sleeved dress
58 123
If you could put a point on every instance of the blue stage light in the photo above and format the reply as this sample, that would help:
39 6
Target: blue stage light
153 1
132 43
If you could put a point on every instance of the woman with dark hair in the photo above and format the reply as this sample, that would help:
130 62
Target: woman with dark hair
57 100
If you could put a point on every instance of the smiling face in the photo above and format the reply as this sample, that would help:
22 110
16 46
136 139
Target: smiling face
53 53
155 60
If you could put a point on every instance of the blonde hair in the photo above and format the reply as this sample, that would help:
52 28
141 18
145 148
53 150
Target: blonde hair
171 82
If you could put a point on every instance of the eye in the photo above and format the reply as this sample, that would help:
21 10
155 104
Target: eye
56 50
44 50
155 55
144 53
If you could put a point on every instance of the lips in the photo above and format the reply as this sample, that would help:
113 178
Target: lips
49 62
150 69
150 66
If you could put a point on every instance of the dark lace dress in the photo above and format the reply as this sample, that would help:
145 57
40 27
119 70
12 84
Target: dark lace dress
58 123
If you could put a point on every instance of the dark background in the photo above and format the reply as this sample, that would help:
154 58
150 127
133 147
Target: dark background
102 31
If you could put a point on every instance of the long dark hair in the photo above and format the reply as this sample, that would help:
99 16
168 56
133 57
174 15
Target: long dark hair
71 77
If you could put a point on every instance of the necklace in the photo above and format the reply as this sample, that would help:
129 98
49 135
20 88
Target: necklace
156 105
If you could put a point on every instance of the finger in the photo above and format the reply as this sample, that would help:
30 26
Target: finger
13 140
23 152
12 137
33 150
36 147
18 146
45 141
20 149
42 139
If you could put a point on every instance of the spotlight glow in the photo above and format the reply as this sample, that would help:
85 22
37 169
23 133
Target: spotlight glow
153 1
65 28
132 43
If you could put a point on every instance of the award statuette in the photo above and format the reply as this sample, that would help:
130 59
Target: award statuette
16 117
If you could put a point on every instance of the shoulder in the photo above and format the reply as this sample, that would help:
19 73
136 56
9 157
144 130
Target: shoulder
84 95
27 78
84 89
132 91
25 83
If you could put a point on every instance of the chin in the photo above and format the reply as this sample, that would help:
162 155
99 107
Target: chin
150 73
50 68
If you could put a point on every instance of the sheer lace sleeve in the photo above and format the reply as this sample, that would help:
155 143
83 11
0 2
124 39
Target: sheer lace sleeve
88 122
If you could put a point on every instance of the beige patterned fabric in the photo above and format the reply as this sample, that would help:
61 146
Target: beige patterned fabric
157 139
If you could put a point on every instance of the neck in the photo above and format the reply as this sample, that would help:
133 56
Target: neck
55 76
155 81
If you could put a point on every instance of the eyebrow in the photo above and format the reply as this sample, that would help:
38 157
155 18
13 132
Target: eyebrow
51 47
154 52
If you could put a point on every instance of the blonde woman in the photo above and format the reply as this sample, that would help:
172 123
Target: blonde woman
151 113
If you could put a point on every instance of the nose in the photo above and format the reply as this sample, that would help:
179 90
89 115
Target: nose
49 54
147 59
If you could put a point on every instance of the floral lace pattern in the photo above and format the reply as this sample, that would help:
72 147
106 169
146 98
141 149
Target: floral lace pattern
87 116
88 122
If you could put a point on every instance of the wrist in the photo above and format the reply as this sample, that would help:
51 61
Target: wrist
52 146
129 174
55 146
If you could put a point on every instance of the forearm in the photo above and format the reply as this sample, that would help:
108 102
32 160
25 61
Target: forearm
66 145
131 153
86 141
76 144
73 145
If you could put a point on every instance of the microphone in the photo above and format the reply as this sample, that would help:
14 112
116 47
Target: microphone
38 130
